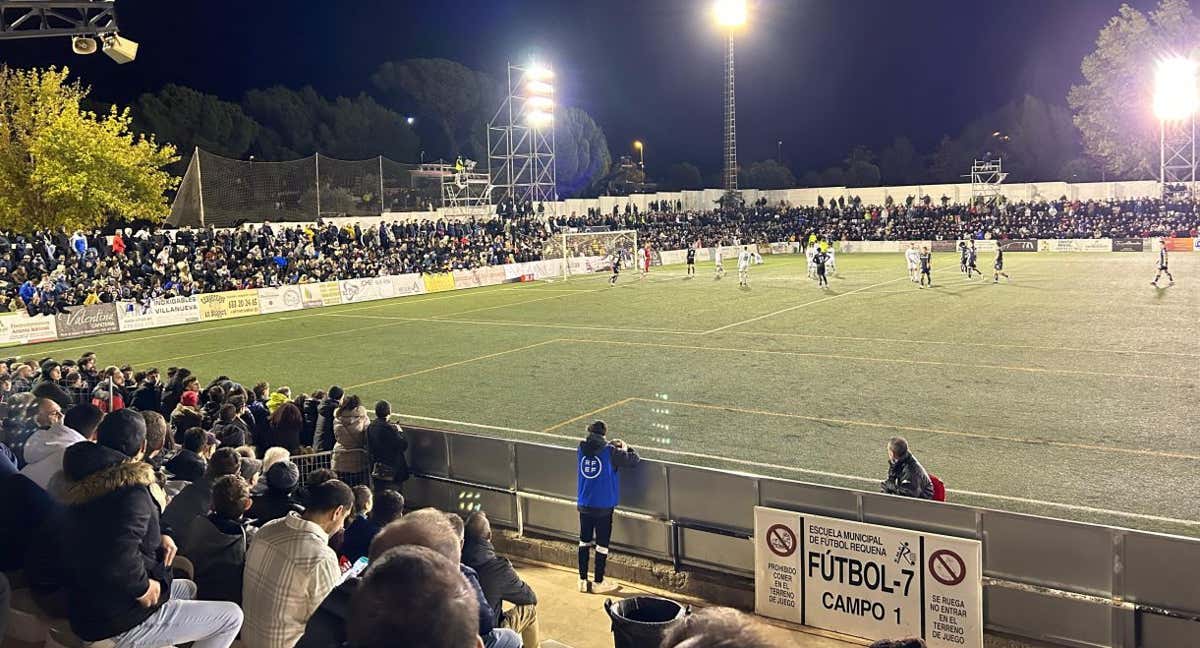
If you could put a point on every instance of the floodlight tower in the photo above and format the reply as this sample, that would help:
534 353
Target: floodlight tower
521 145
730 15
1175 104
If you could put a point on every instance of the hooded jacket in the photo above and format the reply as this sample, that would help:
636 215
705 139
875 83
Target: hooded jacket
192 502
147 397
350 430
186 465
113 504
324 429
184 418
310 412
388 445
272 505
217 546
599 463
44 452
907 477
497 577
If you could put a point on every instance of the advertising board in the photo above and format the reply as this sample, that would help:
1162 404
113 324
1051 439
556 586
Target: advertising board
134 316
438 282
1179 244
280 300
366 289
225 305
868 580
1019 245
80 321
19 328
1127 245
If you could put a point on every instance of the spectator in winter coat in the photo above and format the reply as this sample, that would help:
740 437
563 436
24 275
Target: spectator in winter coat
185 416
350 429
44 449
121 587
310 406
216 543
148 395
387 506
284 428
231 432
906 475
388 445
195 500
325 415
500 581
278 500
189 464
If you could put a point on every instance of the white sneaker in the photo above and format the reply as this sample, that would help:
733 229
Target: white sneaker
583 586
605 587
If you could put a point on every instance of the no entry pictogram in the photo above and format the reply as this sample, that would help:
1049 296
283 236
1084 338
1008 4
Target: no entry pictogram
947 567
781 540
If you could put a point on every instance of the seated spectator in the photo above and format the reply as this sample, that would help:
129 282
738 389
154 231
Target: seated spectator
251 468
185 416
195 500
388 445
216 543
388 506
211 410
189 463
277 499
230 431
44 449
120 588
350 430
290 568
363 503
157 438
413 597
717 627
51 387
25 507
148 395
906 475
284 427
84 418
256 409
491 635
500 581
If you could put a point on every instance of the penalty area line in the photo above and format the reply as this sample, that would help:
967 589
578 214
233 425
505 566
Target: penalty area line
802 305
822 473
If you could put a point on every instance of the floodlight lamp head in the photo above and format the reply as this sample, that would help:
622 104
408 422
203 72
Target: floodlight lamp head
539 119
84 45
730 13
534 87
539 72
541 103
1175 96
637 144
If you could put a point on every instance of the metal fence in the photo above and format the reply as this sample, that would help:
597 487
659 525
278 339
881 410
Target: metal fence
1068 583
307 463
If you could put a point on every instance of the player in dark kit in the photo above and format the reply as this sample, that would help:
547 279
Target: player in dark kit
616 268
1162 266
820 259
972 257
926 267
962 258
691 262
999 266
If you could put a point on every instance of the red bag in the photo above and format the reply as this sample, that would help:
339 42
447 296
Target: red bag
939 488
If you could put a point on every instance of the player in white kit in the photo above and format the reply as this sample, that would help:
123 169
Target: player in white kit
914 262
745 258
719 262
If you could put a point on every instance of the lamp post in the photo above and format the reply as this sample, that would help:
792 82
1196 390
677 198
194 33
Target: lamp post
1175 104
637 144
730 15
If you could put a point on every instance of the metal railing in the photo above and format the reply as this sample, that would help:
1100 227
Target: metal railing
1068 583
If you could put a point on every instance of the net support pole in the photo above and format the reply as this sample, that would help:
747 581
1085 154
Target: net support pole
199 184
317 161
382 205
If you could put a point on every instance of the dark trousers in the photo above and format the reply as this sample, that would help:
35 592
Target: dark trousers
594 527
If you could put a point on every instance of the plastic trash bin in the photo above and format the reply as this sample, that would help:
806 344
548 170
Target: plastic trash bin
642 621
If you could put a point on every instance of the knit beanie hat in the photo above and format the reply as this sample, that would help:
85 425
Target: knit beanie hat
597 427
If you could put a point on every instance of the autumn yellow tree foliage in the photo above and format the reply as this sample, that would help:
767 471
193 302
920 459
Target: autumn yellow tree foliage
62 165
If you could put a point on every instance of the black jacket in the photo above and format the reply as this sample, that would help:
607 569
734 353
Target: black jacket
388 445
55 392
497 577
147 397
271 505
217 546
324 431
186 466
327 625
112 505
907 477
192 502
232 434
310 421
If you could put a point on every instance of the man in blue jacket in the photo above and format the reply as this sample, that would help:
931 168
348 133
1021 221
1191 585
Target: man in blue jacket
598 463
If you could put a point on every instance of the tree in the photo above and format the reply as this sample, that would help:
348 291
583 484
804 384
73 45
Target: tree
899 164
682 176
1113 107
581 152
861 170
63 166
767 174
187 119
451 101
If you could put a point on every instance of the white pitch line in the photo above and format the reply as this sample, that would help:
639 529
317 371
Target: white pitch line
808 303
824 473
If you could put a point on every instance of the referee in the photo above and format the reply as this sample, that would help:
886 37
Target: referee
599 486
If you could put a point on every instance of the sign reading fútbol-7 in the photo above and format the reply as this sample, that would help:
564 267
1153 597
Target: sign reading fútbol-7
867 580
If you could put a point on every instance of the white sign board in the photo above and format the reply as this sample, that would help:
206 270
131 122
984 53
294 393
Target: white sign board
867 580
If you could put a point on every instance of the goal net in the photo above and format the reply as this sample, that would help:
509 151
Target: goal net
589 252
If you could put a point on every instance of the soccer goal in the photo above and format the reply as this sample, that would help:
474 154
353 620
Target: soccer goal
588 252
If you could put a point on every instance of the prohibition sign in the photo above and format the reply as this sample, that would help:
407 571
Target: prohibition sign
947 567
781 540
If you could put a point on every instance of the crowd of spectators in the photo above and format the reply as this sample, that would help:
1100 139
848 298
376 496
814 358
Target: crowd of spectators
47 272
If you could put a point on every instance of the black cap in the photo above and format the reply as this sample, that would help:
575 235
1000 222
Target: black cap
597 427
124 431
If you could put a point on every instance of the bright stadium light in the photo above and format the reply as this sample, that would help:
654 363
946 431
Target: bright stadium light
730 13
539 72
539 119
1175 97
535 87
541 103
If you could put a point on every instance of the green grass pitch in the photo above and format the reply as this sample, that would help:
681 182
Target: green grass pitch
1070 392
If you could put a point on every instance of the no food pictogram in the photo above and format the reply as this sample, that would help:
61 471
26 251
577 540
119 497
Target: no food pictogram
781 540
947 567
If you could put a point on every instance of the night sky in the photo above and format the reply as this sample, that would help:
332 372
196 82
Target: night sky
821 75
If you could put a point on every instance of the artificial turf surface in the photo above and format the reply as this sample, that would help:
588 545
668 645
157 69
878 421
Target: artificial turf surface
1069 392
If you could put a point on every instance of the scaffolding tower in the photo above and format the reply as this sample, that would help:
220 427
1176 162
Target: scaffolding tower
521 165
987 178
46 18
1177 157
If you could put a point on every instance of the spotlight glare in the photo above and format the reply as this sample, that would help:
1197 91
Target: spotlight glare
538 118
730 13
545 104
539 87
539 72
1175 97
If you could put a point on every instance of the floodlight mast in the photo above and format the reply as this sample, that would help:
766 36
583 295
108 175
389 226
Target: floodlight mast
46 18
521 142
730 15
1175 104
